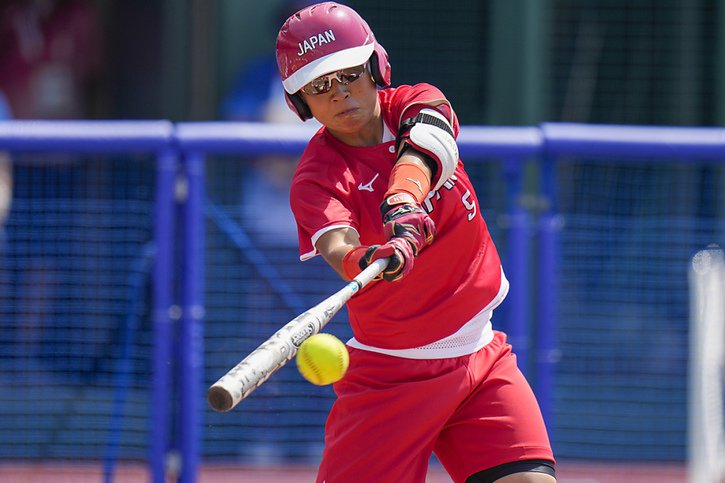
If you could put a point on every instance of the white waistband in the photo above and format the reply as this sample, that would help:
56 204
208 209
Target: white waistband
468 339
471 337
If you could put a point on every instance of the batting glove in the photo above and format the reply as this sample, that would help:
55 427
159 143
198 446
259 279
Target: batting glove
403 217
398 250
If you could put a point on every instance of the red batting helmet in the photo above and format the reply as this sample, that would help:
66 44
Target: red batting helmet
324 38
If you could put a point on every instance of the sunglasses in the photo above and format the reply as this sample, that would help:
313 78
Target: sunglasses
324 83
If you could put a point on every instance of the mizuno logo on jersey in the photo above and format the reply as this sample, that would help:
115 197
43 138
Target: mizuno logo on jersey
369 185
315 41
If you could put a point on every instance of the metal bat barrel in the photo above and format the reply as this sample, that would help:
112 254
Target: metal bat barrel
276 351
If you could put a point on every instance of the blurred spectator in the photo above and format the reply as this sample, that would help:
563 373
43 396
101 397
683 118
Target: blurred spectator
6 177
6 195
50 65
50 57
257 95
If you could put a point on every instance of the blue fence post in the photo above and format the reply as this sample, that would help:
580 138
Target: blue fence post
546 351
167 166
517 265
191 337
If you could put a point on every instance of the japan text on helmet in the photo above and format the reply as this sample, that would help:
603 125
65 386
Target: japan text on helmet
324 38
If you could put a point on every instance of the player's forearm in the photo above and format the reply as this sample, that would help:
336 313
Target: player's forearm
334 245
335 257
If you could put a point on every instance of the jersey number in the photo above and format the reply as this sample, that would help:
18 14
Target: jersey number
466 199
469 204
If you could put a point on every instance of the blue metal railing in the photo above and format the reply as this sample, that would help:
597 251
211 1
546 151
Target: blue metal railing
181 152
154 137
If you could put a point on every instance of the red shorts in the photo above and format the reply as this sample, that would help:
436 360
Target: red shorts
475 412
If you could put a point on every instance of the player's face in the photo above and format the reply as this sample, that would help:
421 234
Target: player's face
349 109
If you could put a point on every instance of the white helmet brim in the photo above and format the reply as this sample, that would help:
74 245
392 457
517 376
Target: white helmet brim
330 63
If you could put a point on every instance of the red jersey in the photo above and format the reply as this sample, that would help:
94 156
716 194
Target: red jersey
337 185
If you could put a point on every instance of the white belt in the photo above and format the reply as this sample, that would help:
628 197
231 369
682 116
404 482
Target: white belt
471 337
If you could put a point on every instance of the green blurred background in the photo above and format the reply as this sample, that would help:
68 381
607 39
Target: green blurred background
501 62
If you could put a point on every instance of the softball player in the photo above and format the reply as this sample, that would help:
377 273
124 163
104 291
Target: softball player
382 179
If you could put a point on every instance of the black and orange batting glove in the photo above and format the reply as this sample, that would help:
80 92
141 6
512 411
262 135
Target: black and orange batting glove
399 250
403 215
404 218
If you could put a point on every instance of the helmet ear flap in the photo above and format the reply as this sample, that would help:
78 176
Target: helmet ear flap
375 69
379 66
295 102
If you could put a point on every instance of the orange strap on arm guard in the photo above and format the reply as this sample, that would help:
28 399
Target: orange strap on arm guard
408 178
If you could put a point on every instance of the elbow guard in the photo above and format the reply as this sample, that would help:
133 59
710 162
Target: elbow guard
431 134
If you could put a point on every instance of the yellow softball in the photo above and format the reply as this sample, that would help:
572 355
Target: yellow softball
322 359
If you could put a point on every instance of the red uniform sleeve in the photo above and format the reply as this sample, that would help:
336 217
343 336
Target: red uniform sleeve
316 211
408 101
